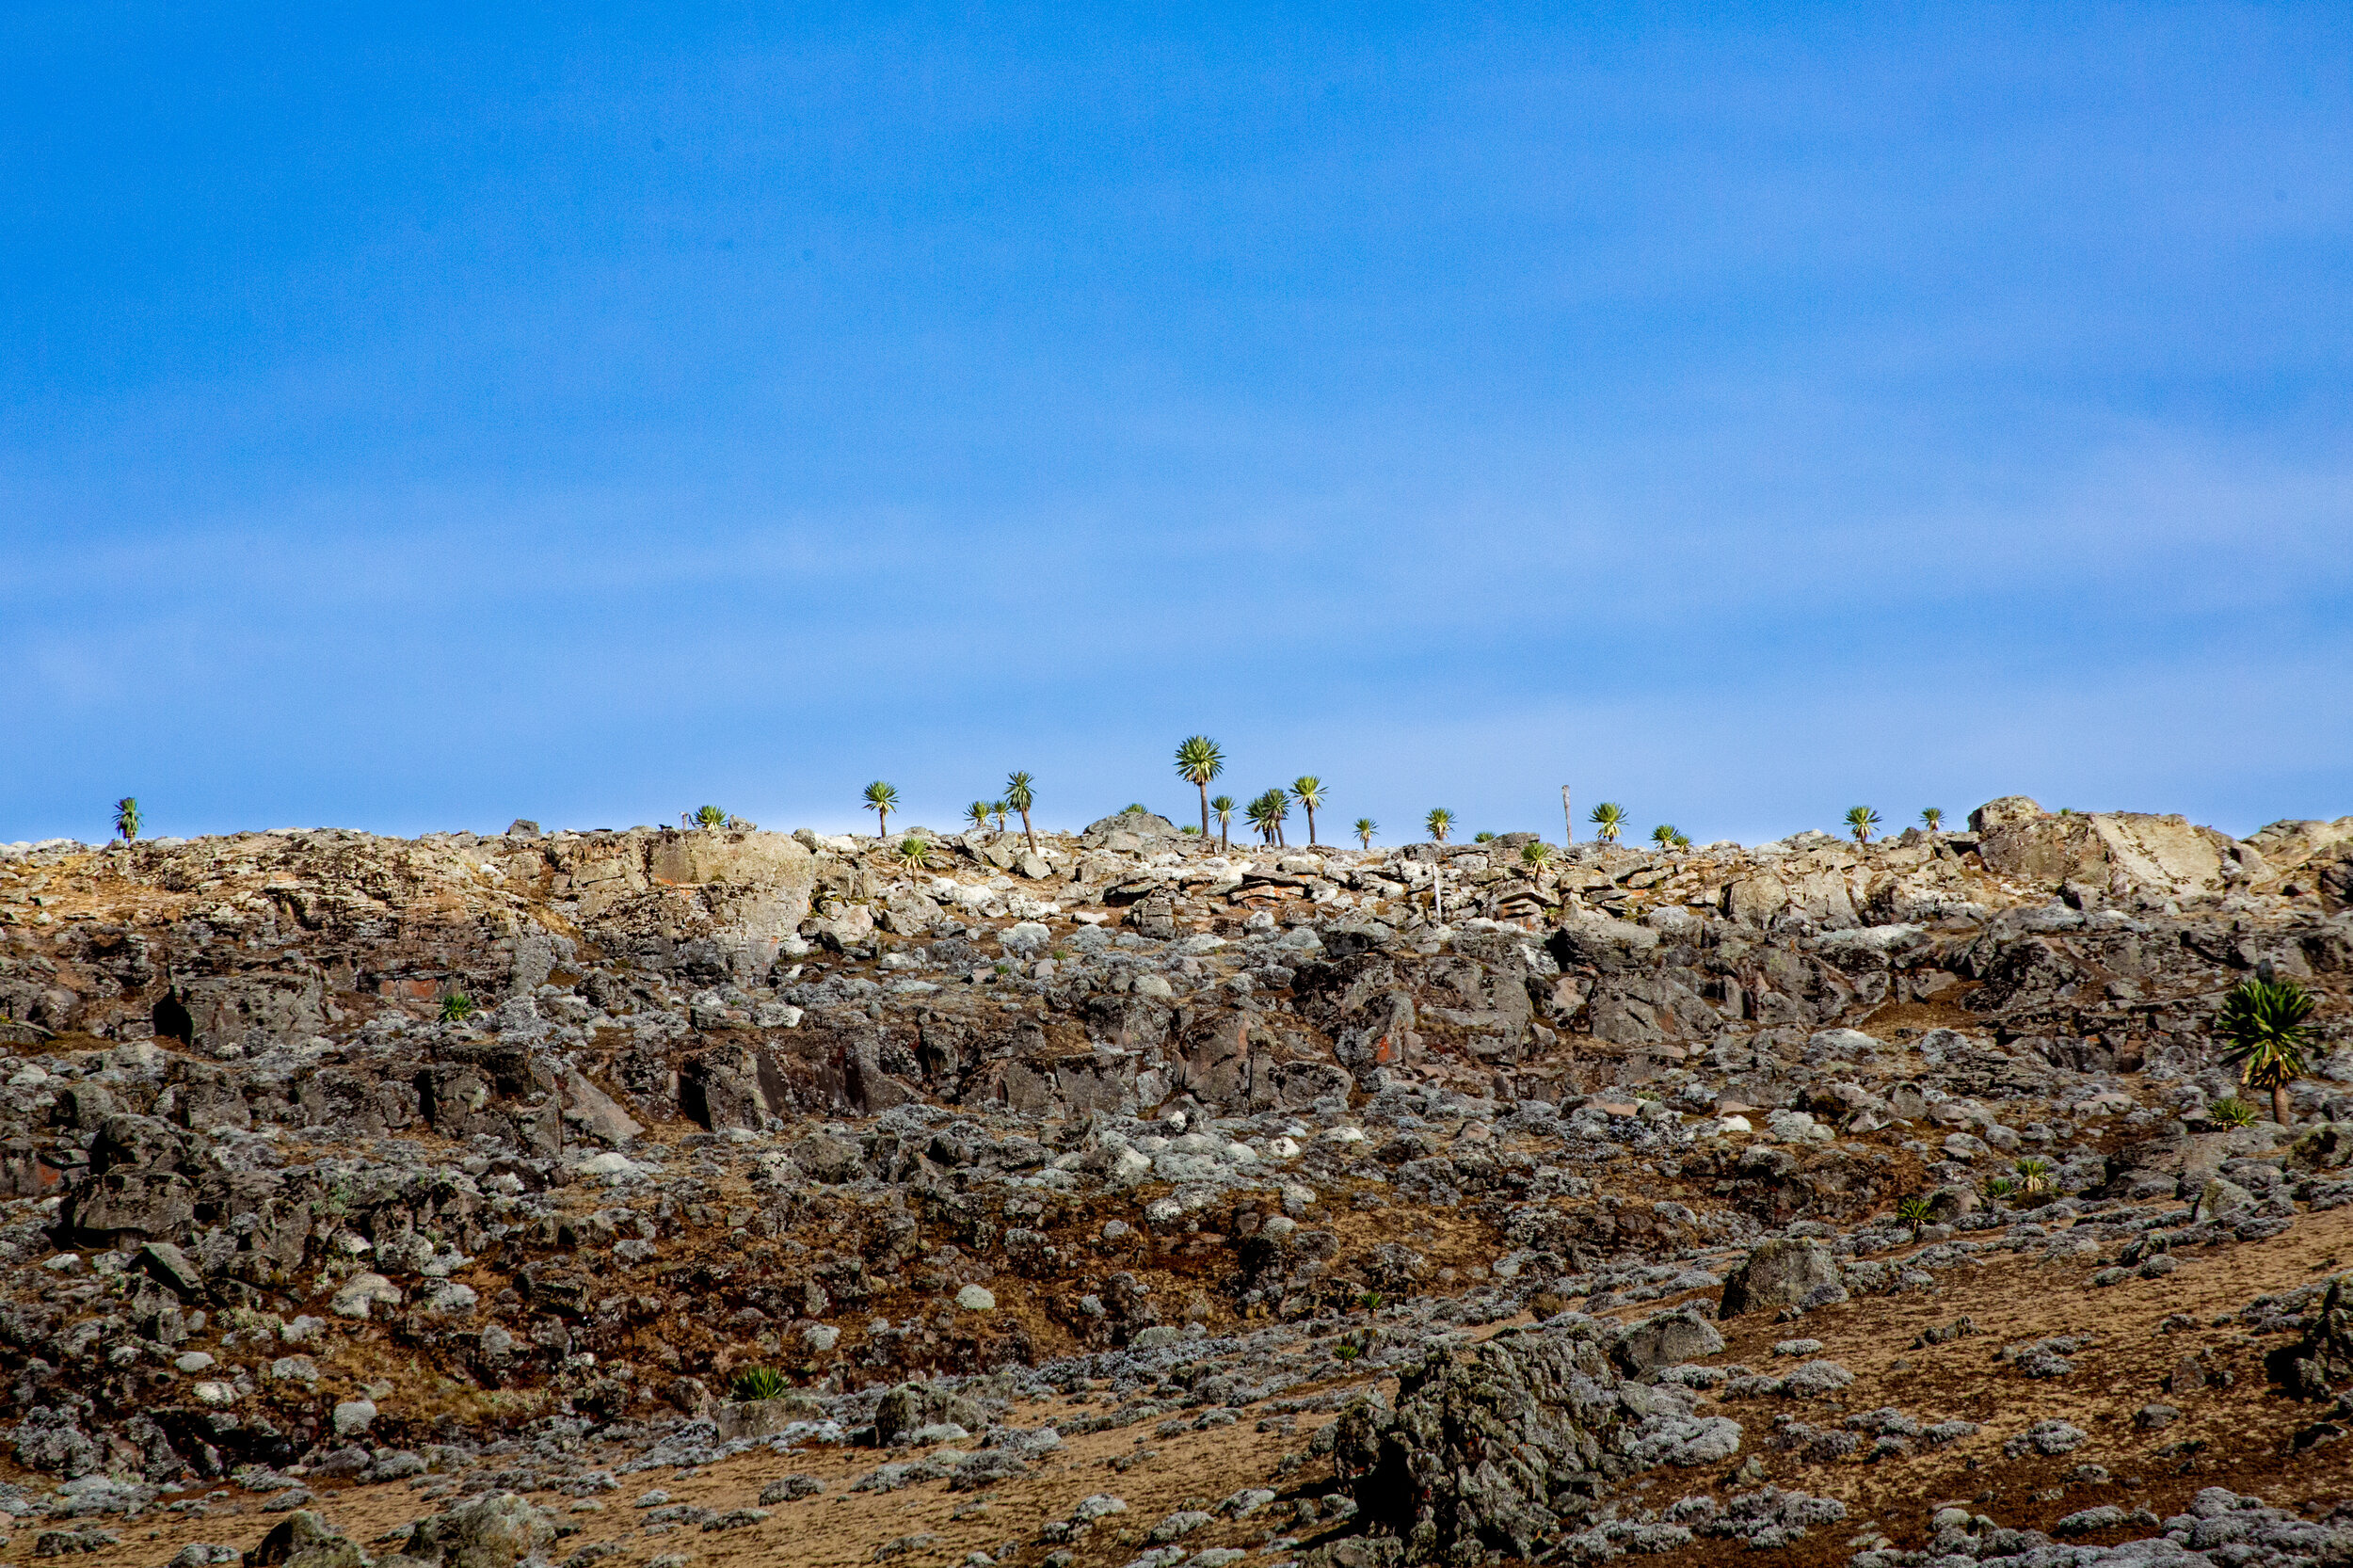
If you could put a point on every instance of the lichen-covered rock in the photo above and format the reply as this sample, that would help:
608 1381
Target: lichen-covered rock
490 1531
2320 1365
1778 1273
1494 1450
1664 1340
912 1406
303 1540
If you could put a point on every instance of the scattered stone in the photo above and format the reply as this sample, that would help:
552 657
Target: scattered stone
1778 1273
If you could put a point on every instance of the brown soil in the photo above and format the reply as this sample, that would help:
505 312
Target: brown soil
2235 1436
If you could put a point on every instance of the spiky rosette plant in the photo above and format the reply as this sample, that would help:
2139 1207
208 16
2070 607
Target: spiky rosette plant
913 855
2266 1023
1021 796
1440 822
977 814
1366 827
1198 760
2231 1111
1223 806
1309 792
882 799
1266 814
1608 820
1862 822
1536 856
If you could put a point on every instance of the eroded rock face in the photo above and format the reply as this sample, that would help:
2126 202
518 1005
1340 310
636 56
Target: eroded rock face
2108 851
1492 1450
2320 1365
1486 1448
316 1080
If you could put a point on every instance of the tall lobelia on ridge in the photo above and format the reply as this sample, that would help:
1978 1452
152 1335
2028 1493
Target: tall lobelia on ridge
1440 822
882 799
1278 810
1365 828
1608 818
1198 760
1224 808
127 818
1308 791
1020 797
1266 814
1862 822
977 814
2265 1022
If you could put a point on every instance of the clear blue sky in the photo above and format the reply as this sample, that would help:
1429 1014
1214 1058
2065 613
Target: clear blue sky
423 419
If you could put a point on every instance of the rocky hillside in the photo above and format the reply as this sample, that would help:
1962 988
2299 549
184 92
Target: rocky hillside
364 1181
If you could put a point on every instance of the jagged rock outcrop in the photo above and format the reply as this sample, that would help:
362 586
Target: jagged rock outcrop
2320 1365
1493 1451
593 1119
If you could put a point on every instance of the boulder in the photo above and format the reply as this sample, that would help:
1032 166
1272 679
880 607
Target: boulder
912 1406
1778 1273
169 1266
303 1540
1026 940
2117 851
1143 824
1665 1340
2008 812
2320 1364
740 1418
1480 1442
361 1294
495 1530
1490 1447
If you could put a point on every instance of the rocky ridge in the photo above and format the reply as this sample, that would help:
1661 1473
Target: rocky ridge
1210 1130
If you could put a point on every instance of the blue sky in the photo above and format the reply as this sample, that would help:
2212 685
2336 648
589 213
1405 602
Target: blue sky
417 421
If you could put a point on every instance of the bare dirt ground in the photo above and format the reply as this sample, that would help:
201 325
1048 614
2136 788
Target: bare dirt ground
2235 1435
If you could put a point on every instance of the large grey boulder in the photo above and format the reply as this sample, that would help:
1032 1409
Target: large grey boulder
912 1406
495 1530
1143 824
1493 1449
2320 1365
2008 812
1778 1273
1665 1340
303 1540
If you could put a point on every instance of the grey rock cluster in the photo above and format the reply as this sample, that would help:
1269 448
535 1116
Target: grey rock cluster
1498 1448
522 1105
